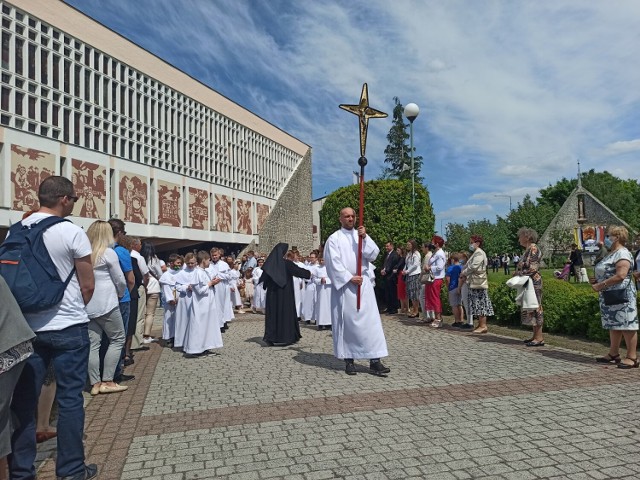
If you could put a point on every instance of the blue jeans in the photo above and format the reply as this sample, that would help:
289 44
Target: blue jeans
125 311
68 349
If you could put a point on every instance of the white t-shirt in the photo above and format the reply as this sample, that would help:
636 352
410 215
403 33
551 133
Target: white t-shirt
65 242
155 272
142 263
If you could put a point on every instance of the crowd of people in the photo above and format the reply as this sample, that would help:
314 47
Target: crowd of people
87 337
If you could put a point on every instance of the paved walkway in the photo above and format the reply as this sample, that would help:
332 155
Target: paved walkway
455 406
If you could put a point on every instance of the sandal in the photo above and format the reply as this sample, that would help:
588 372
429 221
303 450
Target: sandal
535 344
626 366
436 323
528 340
609 359
481 330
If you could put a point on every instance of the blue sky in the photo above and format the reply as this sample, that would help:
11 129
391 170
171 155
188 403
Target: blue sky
511 94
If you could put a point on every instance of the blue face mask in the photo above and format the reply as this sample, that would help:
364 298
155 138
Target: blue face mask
608 242
472 247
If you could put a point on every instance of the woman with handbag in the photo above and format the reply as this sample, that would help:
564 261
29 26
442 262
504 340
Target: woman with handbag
475 272
437 266
618 309
528 265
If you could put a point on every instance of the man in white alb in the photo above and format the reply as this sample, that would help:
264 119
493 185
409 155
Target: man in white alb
356 333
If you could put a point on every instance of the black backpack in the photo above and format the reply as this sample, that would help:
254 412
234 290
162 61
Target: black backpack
26 266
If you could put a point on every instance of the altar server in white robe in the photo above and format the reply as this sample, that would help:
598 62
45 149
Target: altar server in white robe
322 311
356 333
185 279
169 297
219 269
259 293
298 286
309 302
203 330
234 283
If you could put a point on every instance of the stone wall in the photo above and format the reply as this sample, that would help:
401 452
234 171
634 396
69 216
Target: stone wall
291 219
566 219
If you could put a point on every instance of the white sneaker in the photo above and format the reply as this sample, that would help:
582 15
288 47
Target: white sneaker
148 340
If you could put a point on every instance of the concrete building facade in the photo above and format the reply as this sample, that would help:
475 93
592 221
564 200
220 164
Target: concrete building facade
140 139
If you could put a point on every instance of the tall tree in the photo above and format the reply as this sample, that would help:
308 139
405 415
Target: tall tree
397 155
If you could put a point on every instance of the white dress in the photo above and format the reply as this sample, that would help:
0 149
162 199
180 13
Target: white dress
356 333
309 301
222 297
259 293
234 280
298 290
184 307
323 296
168 285
203 331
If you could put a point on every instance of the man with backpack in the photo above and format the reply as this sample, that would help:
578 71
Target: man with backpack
61 328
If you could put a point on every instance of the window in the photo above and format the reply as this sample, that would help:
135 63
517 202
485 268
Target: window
44 111
56 71
19 47
4 103
44 66
32 107
19 102
32 61
55 111
6 45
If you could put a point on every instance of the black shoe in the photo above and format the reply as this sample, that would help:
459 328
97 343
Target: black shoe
124 378
466 326
308 322
378 368
269 343
350 368
90 471
391 312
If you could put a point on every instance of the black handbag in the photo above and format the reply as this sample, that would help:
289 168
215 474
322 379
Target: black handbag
615 297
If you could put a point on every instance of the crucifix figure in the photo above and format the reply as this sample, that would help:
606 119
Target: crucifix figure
364 113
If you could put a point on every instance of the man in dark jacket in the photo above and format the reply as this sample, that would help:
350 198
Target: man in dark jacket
390 274
576 262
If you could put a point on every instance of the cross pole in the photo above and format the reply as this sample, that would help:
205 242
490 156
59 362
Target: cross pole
364 113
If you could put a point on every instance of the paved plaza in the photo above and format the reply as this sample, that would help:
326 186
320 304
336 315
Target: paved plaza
455 406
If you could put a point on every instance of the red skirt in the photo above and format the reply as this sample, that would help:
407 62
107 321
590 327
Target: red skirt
432 296
402 288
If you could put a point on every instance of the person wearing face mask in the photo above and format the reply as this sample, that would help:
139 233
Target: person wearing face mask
617 292
529 265
475 272
170 298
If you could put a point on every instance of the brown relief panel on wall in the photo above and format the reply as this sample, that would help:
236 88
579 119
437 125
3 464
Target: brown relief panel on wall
243 210
262 212
168 204
198 208
29 167
89 183
223 213
132 190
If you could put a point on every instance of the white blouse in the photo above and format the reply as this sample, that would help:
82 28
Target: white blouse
110 285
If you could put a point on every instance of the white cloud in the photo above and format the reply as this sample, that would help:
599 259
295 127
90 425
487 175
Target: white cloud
466 211
626 146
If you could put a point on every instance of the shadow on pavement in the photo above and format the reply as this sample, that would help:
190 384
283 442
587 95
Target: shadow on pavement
320 360
546 351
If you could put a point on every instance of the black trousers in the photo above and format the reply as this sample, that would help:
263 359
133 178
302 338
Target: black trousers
391 292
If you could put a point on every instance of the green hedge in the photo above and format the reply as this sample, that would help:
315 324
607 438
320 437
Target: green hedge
568 308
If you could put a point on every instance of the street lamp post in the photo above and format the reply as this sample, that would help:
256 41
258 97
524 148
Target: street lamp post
506 196
411 111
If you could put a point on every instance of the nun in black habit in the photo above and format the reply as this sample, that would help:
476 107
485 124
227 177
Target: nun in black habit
280 322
